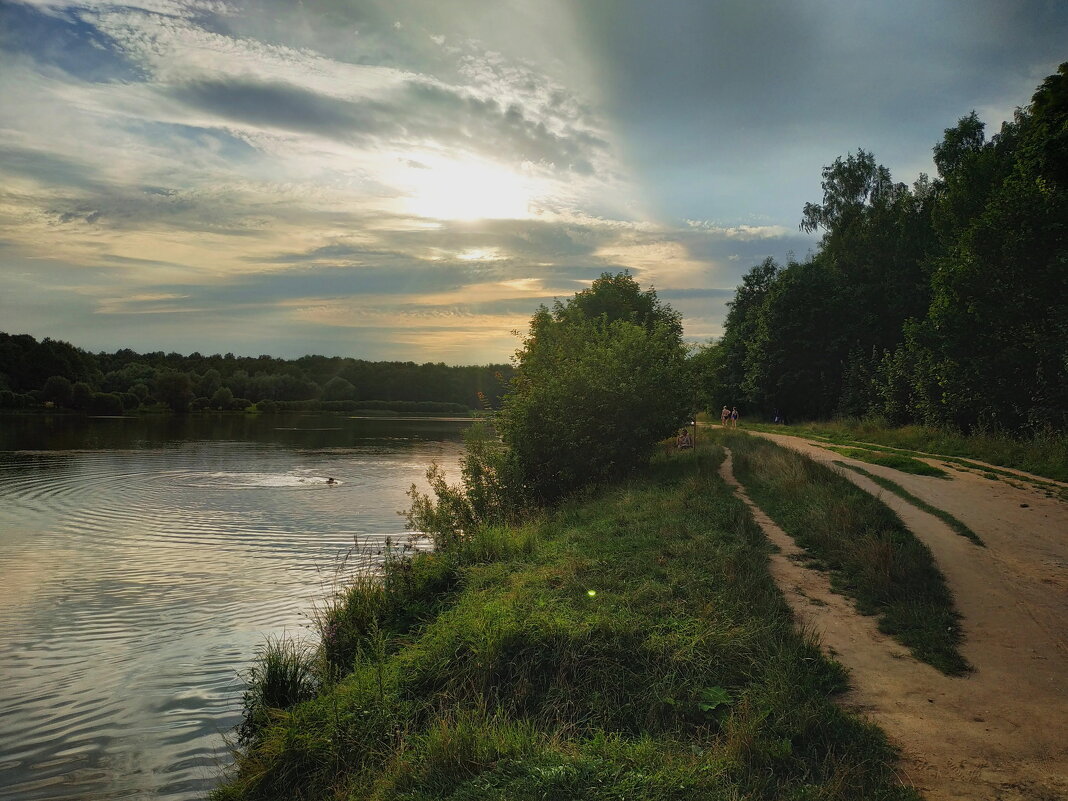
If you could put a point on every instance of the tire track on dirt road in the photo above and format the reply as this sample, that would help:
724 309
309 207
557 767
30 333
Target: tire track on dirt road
1000 733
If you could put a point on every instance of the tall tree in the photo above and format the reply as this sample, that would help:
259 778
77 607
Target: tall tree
996 336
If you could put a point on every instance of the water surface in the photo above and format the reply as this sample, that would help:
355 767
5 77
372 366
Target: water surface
144 560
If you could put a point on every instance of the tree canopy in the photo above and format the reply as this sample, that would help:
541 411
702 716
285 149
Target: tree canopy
599 380
32 372
945 303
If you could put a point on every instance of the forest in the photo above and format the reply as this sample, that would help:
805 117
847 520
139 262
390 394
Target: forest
50 372
944 303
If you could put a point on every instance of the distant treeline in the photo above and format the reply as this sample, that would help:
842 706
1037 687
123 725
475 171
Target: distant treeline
55 373
944 304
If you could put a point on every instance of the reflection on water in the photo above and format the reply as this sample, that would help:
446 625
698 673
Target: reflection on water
143 561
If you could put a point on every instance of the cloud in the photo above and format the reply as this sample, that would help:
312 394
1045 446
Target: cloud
278 173
411 115
50 169
283 106
741 232
735 106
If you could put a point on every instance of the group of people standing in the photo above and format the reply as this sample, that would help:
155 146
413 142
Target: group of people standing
729 417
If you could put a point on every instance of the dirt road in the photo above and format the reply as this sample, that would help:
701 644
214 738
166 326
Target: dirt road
1000 733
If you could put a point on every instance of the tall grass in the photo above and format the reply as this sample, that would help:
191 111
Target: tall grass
282 676
870 554
632 645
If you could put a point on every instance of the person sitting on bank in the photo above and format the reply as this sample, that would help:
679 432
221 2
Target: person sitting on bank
684 440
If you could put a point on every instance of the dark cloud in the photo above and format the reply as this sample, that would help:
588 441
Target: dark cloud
399 277
285 106
126 261
418 111
516 241
118 208
736 105
50 169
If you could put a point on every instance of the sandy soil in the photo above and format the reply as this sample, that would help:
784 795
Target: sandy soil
1000 733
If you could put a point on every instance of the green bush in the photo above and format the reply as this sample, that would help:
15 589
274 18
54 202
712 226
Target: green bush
600 380
59 390
490 492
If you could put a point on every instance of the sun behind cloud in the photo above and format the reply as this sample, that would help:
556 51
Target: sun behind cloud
465 189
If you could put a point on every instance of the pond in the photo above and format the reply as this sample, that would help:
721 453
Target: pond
143 560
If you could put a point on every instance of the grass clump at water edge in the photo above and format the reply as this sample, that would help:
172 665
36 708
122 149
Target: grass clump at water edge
870 554
282 676
632 645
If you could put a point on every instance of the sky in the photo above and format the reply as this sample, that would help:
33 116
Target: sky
410 179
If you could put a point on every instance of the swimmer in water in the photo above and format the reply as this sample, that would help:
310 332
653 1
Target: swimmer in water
331 480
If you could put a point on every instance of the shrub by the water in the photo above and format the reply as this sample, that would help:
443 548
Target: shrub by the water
599 381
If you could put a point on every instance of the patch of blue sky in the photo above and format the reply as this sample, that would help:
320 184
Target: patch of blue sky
65 39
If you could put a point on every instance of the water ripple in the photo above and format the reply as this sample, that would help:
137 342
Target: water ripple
135 585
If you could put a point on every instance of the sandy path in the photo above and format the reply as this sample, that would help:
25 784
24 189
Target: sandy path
1002 732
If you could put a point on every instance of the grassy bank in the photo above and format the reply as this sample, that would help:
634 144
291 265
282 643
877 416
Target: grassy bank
870 554
1043 454
630 646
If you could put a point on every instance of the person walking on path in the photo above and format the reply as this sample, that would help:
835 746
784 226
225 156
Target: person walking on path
724 416
734 417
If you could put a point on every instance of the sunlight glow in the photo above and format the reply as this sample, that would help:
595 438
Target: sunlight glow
448 189
480 254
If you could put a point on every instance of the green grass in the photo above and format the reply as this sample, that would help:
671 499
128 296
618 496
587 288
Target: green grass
870 554
919 503
628 646
1044 454
895 461
282 676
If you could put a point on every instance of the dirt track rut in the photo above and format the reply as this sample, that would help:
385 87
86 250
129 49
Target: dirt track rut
1000 733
